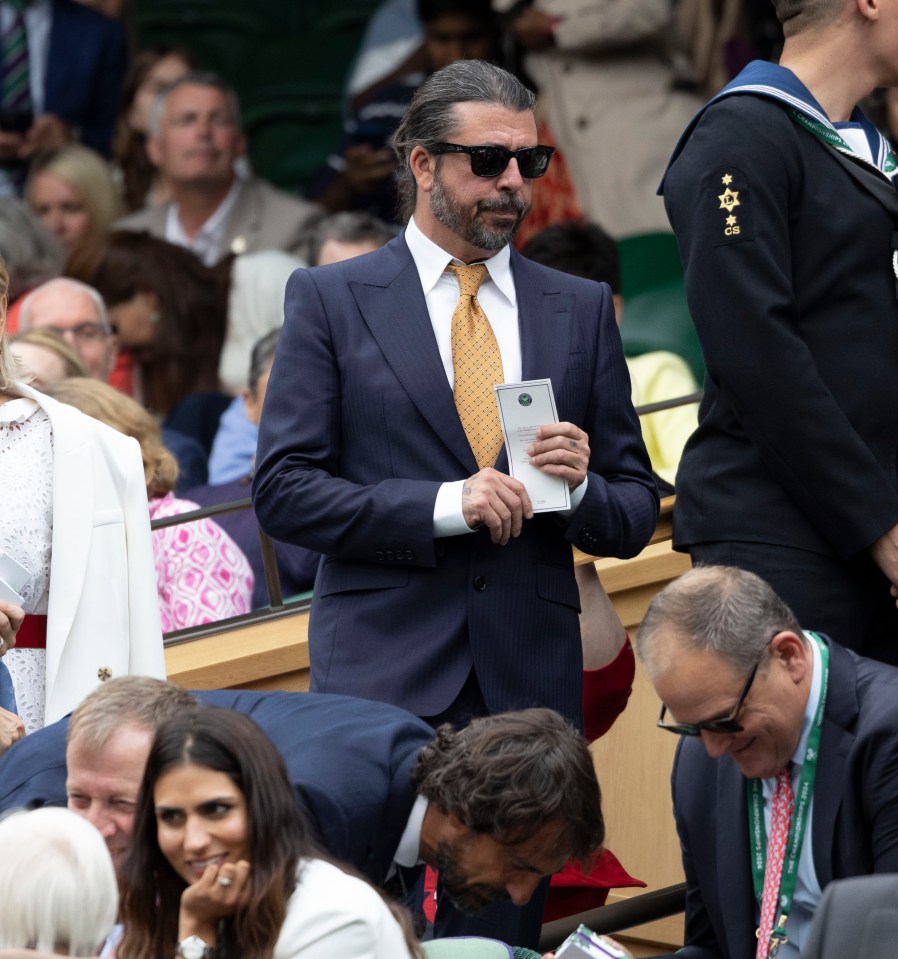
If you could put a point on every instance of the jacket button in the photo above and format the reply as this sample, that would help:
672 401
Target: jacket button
409 554
479 584
388 554
104 673
379 556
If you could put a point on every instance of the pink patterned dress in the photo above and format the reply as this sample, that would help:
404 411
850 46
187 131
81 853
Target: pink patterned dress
201 573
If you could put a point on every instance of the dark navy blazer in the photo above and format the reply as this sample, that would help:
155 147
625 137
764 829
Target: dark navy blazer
85 68
358 432
855 815
349 761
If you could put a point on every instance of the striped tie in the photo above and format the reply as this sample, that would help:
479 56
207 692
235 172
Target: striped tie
15 90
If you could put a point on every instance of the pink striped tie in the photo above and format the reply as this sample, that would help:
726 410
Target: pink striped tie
781 807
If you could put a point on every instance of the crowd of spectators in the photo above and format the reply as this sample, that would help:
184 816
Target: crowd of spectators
147 267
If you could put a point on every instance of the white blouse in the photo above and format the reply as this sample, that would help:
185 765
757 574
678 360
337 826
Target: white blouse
26 529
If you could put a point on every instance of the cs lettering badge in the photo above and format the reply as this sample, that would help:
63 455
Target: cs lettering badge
728 207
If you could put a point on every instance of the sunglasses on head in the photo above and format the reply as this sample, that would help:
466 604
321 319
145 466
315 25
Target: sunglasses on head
492 160
725 724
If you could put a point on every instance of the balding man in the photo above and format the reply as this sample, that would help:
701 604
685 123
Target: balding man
77 312
785 734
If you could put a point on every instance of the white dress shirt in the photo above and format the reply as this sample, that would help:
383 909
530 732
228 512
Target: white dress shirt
207 244
498 298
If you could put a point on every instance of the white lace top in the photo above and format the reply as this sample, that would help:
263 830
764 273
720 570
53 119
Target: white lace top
26 527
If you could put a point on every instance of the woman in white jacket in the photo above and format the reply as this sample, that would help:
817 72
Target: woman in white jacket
75 539
221 862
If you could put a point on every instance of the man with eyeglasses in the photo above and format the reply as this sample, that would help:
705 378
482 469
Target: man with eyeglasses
77 312
440 591
787 774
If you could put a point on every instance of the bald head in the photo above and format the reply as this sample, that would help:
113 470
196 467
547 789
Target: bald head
77 312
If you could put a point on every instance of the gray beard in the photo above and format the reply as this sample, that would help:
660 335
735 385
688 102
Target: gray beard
453 216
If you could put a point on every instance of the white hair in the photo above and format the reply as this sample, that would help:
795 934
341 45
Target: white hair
64 282
58 888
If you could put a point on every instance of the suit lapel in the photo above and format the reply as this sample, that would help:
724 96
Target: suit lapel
395 312
835 743
734 884
544 318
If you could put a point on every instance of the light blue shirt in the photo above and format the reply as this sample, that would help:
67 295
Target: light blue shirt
807 887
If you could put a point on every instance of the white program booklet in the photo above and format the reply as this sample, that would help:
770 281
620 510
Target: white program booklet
522 408
13 579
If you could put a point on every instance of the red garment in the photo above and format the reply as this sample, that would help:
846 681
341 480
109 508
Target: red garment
606 691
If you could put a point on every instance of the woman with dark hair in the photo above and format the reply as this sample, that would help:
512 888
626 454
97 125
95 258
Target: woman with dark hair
220 859
151 70
170 313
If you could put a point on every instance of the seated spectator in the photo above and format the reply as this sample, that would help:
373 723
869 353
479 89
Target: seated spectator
256 304
361 174
80 55
77 313
169 311
296 566
46 358
584 249
342 236
58 891
150 71
201 574
510 787
72 191
220 851
255 307
195 139
33 254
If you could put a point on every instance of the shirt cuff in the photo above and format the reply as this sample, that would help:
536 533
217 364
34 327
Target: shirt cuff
576 499
448 518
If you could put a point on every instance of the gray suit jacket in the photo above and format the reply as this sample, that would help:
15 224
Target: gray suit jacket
856 917
263 218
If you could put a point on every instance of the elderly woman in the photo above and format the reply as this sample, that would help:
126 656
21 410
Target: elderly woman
73 511
57 883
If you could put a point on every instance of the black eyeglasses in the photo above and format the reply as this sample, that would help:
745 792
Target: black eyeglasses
492 160
726 724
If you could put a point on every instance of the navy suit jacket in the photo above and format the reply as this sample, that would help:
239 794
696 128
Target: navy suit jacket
85 68
855 816
358 433
349 761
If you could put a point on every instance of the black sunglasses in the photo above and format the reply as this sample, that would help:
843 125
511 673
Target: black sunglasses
491 160
726 724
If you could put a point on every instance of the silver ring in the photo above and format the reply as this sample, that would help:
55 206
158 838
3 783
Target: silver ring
225 881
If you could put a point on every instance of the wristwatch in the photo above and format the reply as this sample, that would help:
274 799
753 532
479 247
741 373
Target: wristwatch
194 948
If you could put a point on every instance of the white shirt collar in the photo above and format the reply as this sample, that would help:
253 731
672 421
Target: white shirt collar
208 240
431 262
408 851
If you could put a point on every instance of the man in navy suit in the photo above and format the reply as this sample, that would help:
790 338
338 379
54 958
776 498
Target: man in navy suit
495 807
77 60
440 591
749 691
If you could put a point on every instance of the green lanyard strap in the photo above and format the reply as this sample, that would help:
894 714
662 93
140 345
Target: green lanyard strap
757 830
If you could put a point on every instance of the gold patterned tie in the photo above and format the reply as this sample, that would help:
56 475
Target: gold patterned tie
478 367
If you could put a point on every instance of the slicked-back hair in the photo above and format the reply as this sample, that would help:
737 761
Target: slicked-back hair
228 742
509 775
127 700
727 611
432 117
796 16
